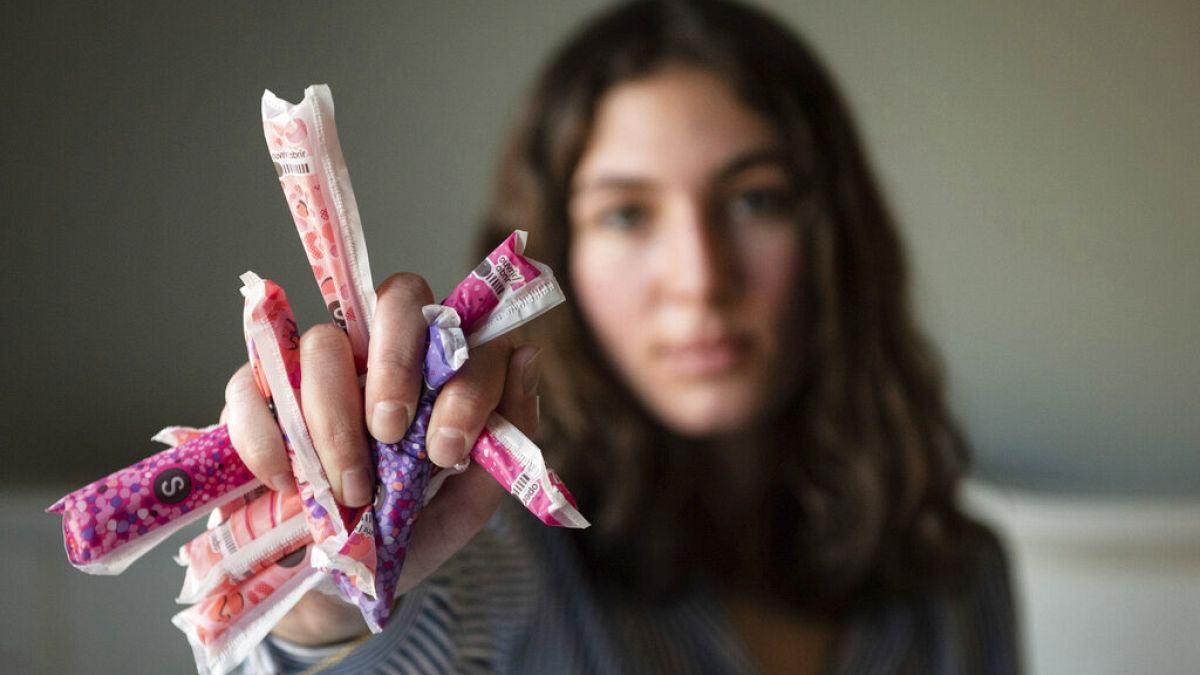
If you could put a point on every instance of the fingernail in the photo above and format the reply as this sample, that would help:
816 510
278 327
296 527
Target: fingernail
531 373
449 444
282 482
390 420
357 487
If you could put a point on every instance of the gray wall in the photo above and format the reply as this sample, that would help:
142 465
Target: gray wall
1043 160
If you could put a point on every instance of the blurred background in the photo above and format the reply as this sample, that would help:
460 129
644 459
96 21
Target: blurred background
1042 158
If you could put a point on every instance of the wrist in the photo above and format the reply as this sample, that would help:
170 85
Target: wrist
319 619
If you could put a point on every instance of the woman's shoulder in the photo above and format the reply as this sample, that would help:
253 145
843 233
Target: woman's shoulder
968 626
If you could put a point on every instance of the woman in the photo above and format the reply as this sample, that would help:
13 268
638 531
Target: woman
736 394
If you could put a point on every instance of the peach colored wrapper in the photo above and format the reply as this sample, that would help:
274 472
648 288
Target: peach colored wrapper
343 539
303 141
248 540
226 625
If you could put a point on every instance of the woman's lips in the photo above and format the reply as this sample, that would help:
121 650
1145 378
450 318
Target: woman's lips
703 358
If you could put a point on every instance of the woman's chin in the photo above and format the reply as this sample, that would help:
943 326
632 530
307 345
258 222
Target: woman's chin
707 414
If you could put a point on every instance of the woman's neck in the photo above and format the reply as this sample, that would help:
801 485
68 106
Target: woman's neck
780 641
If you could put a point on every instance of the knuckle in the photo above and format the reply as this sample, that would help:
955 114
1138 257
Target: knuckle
236 387
491 358
322 336
397 358
258 449
322 340
406 286
466 398
501 347
345 443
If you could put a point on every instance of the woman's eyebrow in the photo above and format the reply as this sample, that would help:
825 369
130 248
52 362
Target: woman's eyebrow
611 182
625 182
748 160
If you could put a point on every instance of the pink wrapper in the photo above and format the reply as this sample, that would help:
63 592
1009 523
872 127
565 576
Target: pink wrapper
304 146
115 520
503 292
517 464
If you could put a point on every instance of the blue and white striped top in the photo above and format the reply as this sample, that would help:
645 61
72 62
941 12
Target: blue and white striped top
515 600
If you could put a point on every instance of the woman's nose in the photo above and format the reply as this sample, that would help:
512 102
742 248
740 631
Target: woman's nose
698 258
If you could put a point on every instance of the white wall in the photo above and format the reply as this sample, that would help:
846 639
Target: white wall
1105 586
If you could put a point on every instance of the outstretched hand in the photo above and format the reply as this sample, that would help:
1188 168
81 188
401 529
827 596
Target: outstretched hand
339 415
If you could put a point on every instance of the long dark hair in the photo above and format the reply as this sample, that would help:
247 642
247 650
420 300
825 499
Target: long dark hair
855 498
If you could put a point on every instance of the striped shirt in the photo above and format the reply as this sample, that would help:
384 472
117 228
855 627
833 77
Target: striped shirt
515 600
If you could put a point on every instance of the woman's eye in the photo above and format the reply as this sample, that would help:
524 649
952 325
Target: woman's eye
625 217
772 203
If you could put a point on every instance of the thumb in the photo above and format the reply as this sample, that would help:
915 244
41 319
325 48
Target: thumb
519 403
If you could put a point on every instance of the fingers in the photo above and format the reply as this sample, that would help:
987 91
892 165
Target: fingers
396 356
253 432
465 402
520 402
333 409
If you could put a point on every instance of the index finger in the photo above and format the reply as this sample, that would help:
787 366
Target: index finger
396 355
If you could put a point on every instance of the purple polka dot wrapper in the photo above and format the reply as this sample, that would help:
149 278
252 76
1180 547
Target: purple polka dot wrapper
404 471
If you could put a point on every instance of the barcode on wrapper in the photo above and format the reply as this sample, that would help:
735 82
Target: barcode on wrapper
293 169
221 540
524 488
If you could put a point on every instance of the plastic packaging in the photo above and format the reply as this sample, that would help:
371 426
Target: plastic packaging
304 146
343 539
249 540
226 625
113 521
517 464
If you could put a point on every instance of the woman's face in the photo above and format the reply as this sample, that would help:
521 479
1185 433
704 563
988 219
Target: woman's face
686 249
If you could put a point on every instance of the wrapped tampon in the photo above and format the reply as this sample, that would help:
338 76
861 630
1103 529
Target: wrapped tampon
503 292
342 538
224 626
517 464
249 540
304 146
404 470
113 521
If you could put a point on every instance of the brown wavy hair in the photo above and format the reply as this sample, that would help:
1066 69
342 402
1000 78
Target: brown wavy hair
854 498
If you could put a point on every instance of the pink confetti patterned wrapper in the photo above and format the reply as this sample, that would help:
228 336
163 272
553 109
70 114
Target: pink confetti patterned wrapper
517 464
503 292
113 521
